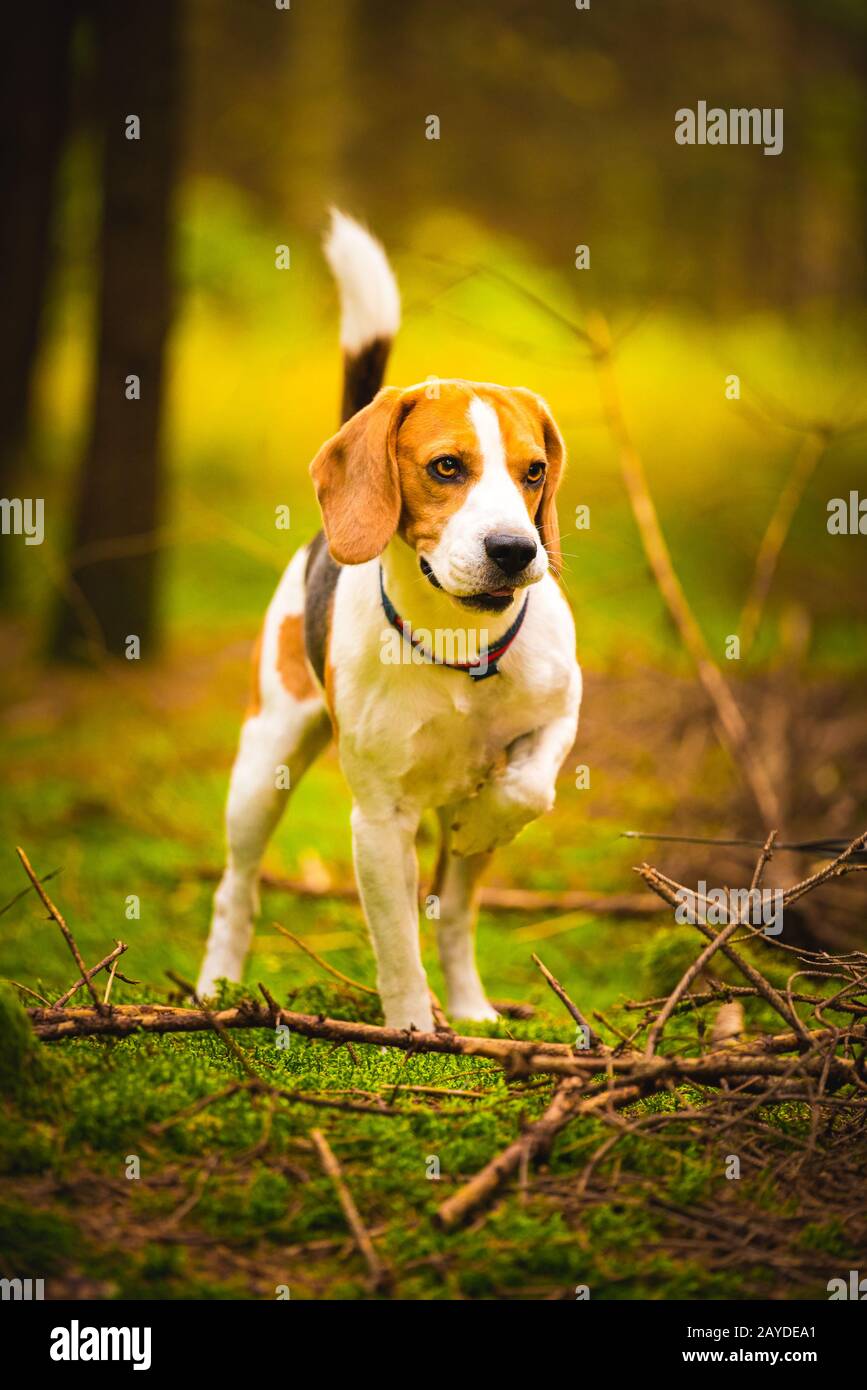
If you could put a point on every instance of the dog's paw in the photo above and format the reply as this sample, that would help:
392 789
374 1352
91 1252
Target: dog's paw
500 811
408 1015
475 1010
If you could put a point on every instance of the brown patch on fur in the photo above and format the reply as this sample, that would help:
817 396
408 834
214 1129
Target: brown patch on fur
254 701
291 658
371 478
433 428
356 480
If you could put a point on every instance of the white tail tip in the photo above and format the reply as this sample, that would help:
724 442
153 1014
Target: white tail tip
369 297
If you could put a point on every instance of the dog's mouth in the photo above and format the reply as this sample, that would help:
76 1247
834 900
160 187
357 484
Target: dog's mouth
490 601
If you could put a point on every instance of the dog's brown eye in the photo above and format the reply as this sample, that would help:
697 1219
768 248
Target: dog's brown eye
536 472
446 467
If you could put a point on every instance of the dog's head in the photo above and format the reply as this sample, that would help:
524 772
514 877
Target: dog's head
465 473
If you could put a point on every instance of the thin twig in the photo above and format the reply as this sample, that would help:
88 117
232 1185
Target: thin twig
323 964
593 1039
378 1271
110 959
54 913
812 448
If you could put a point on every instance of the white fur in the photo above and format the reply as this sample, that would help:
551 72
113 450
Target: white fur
412 737
493 503
369 297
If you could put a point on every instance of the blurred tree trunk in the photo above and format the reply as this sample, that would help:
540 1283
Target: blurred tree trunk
319 63
385 147
112 565
34 101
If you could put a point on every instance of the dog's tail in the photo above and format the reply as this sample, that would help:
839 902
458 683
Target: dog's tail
369 308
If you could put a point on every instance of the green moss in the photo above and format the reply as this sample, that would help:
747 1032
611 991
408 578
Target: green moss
23 1068
33 1243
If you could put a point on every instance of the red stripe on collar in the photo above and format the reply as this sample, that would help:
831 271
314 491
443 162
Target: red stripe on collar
476 670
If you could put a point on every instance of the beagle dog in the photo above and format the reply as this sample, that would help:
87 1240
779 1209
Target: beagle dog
426 631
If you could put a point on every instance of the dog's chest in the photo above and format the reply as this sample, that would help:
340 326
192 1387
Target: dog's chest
433 736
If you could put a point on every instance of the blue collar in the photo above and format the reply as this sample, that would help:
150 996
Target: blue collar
476 670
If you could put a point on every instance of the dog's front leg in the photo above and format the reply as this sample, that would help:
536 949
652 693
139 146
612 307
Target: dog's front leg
387 872
518 793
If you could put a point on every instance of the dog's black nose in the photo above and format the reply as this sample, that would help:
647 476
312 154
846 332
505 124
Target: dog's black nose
511 553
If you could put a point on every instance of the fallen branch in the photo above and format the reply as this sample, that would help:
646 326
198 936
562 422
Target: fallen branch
378 1271
491 899
534 1143
54 1025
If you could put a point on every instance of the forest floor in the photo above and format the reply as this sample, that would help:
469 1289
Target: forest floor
116 780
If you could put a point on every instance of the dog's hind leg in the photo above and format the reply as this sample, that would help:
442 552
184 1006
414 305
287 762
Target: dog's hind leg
456 885
286 728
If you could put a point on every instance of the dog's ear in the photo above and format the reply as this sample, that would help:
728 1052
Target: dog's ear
547 523
357 481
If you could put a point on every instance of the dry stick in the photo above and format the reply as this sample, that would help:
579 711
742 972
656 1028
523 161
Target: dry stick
216 1023
67 934
712 1068
733 728
625 1038
441 1022
720 996
686 980
338 974
642 1078
24 891
27 990
668 889
107 960
378 1272
812 448
54 1025
567 1104
197 1105
538 1057
835 869
491 899
536 1139
109 982
763 860
593 1039
700 963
